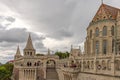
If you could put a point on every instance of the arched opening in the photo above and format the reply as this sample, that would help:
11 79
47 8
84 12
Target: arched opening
103 65
112 30
97 32
50 64
51 73
104 33
109 65
90 33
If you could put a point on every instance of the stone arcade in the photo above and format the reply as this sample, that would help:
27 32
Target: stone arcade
100 60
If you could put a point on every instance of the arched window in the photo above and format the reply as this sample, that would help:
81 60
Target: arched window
109 65
97 47
29 64
117 64
112 45
104 46
27 53
98 66
97 32
38 63
92 64
104 31
90 33
103 65
30 53
112 30
88 65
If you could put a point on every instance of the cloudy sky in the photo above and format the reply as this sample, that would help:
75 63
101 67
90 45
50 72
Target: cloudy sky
54 24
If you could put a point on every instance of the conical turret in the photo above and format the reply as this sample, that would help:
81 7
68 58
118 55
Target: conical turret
29 49
29 44
18 55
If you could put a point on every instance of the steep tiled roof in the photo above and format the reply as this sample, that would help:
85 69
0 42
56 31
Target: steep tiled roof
106 12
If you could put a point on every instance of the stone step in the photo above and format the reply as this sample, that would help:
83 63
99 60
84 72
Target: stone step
52 74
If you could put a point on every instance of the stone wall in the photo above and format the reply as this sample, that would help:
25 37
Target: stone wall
85 76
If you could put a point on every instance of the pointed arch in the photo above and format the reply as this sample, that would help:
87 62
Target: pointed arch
97 32
104 33
112 30
97 47
104 47
90 33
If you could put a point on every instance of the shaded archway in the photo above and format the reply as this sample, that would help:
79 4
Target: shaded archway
51 73
50 64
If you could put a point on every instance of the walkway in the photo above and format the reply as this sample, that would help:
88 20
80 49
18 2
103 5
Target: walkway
52 74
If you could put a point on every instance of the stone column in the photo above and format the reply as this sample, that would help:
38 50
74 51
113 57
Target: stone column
95 63
20 74
100 47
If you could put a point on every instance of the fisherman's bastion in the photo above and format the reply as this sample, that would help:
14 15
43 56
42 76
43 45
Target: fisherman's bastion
99 61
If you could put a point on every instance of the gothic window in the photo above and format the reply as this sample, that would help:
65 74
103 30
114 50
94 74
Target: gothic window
112 45
35 64
92 64
90 33
117 64
88 65
104 33
97 47
109 65
98 65
97 32
103 65
112 30
29 64
30 53
104 46
38 63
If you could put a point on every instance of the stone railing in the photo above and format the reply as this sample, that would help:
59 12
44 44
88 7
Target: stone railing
71 70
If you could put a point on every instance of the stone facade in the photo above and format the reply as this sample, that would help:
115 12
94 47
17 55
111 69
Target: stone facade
100 60
30 66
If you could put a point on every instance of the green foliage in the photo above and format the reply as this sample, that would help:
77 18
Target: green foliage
39 54
6 71
62 55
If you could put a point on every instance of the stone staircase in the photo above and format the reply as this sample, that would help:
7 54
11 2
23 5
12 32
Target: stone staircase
52 74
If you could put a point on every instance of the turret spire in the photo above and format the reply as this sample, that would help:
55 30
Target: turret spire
29 44
18 55
48 51
18 51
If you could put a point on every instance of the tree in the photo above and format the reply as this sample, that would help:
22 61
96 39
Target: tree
6 71
62 55
39 54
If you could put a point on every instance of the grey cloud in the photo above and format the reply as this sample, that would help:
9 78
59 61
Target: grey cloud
16 35
6 44
49 16
61 34
54 16
10 19
58 19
